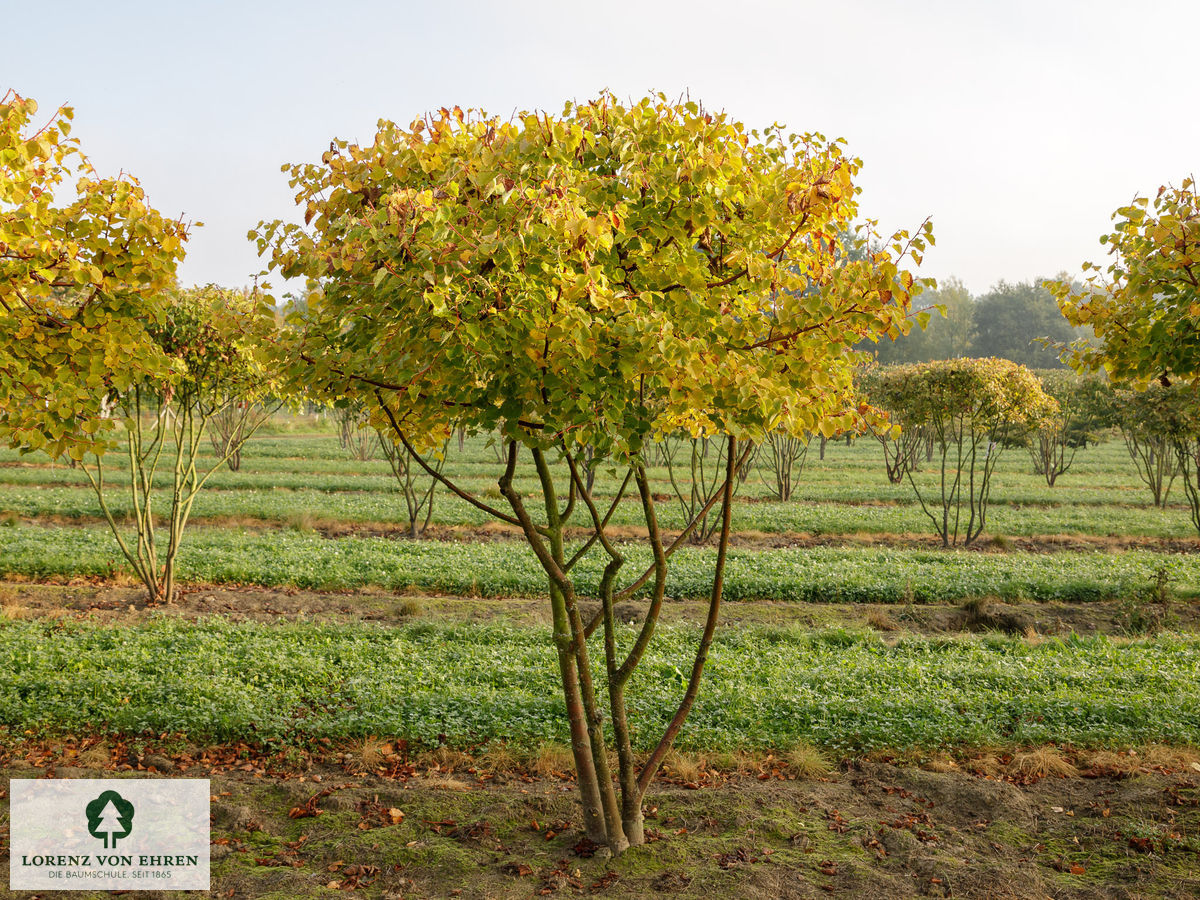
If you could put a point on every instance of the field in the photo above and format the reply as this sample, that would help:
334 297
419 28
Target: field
879 717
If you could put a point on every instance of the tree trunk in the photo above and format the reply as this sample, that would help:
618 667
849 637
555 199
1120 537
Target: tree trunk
581 745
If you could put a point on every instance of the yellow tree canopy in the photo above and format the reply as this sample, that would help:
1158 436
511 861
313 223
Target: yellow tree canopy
601 275
80 280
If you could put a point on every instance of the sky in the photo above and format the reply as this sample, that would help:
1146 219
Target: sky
1018 127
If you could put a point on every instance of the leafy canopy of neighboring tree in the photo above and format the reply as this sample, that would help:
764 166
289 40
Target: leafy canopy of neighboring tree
1144 307
582 284
83 278
967 407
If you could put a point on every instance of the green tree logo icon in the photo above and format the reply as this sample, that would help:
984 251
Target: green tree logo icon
110 818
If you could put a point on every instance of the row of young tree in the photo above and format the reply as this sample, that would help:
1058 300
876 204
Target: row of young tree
959 415
956 415
578 285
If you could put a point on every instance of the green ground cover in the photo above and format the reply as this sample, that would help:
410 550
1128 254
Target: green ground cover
507 568
468 684
386 506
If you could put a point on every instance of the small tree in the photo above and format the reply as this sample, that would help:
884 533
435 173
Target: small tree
209 336
1153 420
902 452
415 485
783 455
355 434
1185 437
696 467
900 439
238 418
968 407
584 283
1084 416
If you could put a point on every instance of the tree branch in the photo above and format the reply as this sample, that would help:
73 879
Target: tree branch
490 510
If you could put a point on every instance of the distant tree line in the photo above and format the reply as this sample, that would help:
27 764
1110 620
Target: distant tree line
1008 322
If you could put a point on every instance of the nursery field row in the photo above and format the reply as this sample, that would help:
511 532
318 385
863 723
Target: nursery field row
317 451
824 485
388 507
469 684
508 568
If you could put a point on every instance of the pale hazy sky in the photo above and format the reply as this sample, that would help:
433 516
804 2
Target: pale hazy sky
1018 126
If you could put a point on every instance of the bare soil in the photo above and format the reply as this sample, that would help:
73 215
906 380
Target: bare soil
870 830
126 604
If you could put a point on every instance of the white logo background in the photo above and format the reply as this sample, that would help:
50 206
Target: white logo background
48 819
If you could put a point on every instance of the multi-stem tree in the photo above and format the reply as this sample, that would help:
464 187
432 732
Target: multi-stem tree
1085 414
902 452
237 419
417 487
782 455
583 284
696 468
901 439
1185 437
355 434
211 339
968 407
1152 420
